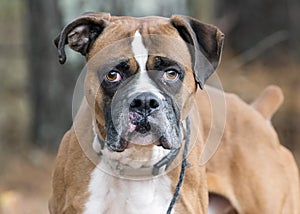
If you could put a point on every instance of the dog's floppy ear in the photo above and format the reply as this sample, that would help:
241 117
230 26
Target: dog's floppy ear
81 33
207 41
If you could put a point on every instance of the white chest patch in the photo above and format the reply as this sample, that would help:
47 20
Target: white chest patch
113 195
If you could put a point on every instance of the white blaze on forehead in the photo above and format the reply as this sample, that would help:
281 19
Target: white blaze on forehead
144 84
139 50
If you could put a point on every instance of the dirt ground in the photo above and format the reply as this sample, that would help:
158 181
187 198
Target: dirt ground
25 182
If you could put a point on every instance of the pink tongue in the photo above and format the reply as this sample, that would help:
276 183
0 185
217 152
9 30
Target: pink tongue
132 116
131 127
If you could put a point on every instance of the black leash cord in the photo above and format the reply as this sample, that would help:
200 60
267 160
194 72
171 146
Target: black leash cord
183 166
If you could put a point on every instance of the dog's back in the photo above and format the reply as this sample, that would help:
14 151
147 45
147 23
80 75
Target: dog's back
251 172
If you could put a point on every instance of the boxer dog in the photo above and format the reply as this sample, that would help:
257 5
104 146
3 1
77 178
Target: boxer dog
142 115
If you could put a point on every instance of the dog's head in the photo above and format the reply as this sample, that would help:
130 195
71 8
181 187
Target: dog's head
142 73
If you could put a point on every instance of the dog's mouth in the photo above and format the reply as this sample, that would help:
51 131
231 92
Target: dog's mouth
143 134
143 130
138 123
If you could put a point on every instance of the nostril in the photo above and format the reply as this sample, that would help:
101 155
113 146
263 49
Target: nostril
153 103
136 103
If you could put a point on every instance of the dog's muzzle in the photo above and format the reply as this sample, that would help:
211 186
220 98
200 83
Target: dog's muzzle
142 118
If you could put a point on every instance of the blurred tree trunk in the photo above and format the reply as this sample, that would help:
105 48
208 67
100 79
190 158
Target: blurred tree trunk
50 83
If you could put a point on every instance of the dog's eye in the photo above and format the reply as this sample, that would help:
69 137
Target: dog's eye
171 75
113 76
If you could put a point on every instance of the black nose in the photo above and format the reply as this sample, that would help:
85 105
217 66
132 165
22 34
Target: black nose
145 103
